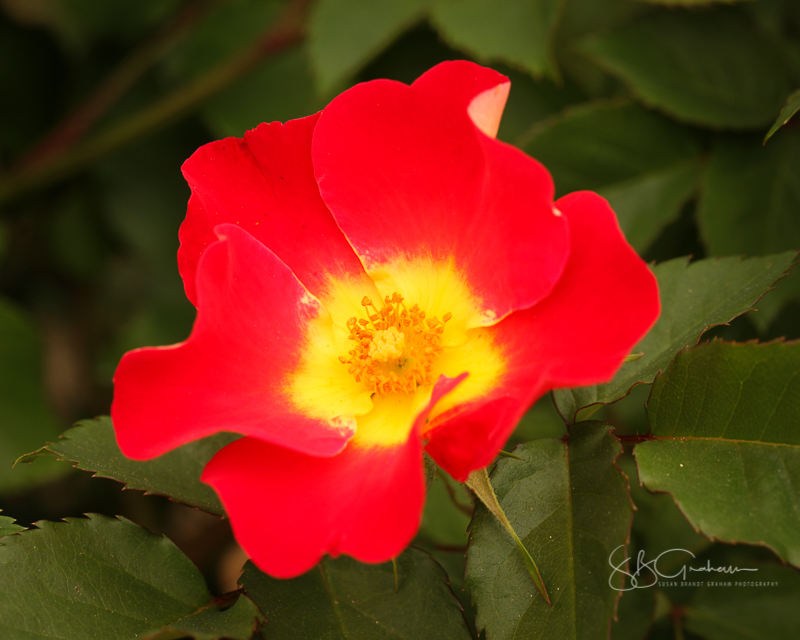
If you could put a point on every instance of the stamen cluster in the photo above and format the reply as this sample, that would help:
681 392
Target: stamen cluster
395 346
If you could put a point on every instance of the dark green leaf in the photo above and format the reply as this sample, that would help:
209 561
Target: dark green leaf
102 578
765 612
25 418
694 297
91 444
280 89
645 165
635 614
749 203
727 422
345 599
530 102
791 107
230 28
658 524
345 34
519 32
446 515
7 526
569 504
707 68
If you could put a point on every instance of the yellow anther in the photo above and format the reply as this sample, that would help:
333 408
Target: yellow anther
397 353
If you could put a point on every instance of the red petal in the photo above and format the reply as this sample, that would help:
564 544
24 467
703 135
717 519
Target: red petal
288 509
605 302
230 375
408 174
265 184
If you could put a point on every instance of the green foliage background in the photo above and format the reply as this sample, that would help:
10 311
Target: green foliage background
677 111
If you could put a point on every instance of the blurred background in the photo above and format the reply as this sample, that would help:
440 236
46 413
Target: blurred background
662 109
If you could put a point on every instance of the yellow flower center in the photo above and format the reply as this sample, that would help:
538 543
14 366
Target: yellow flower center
395 346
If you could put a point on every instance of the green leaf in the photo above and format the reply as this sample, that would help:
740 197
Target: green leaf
103 577
280 89
345 599
446 515
229 28
694 297
92 445
646 165
708 68
569 504
749 203
344 35
635 614
7 526
790 108
25 417
518 32
726 418
748 612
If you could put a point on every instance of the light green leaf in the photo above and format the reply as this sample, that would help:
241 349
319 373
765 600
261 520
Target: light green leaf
791 107
345 599
518 32
346 34
708 68
569 504
103 577
694 297
25 418
726 418
7 526
92 445
767 612
646 165
749 205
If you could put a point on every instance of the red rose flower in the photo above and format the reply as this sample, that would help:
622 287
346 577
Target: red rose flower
372 280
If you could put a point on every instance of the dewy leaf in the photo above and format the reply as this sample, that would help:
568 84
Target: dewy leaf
726 418
767 611
694 297
92 445
345 34
25 419
569 504
108 578
343 599
749 202
7 526
519 32
647 166
708 68
791 107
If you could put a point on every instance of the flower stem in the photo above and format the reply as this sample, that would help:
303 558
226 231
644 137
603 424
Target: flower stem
478 482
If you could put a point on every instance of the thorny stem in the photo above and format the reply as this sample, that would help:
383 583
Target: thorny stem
478 482
288 30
